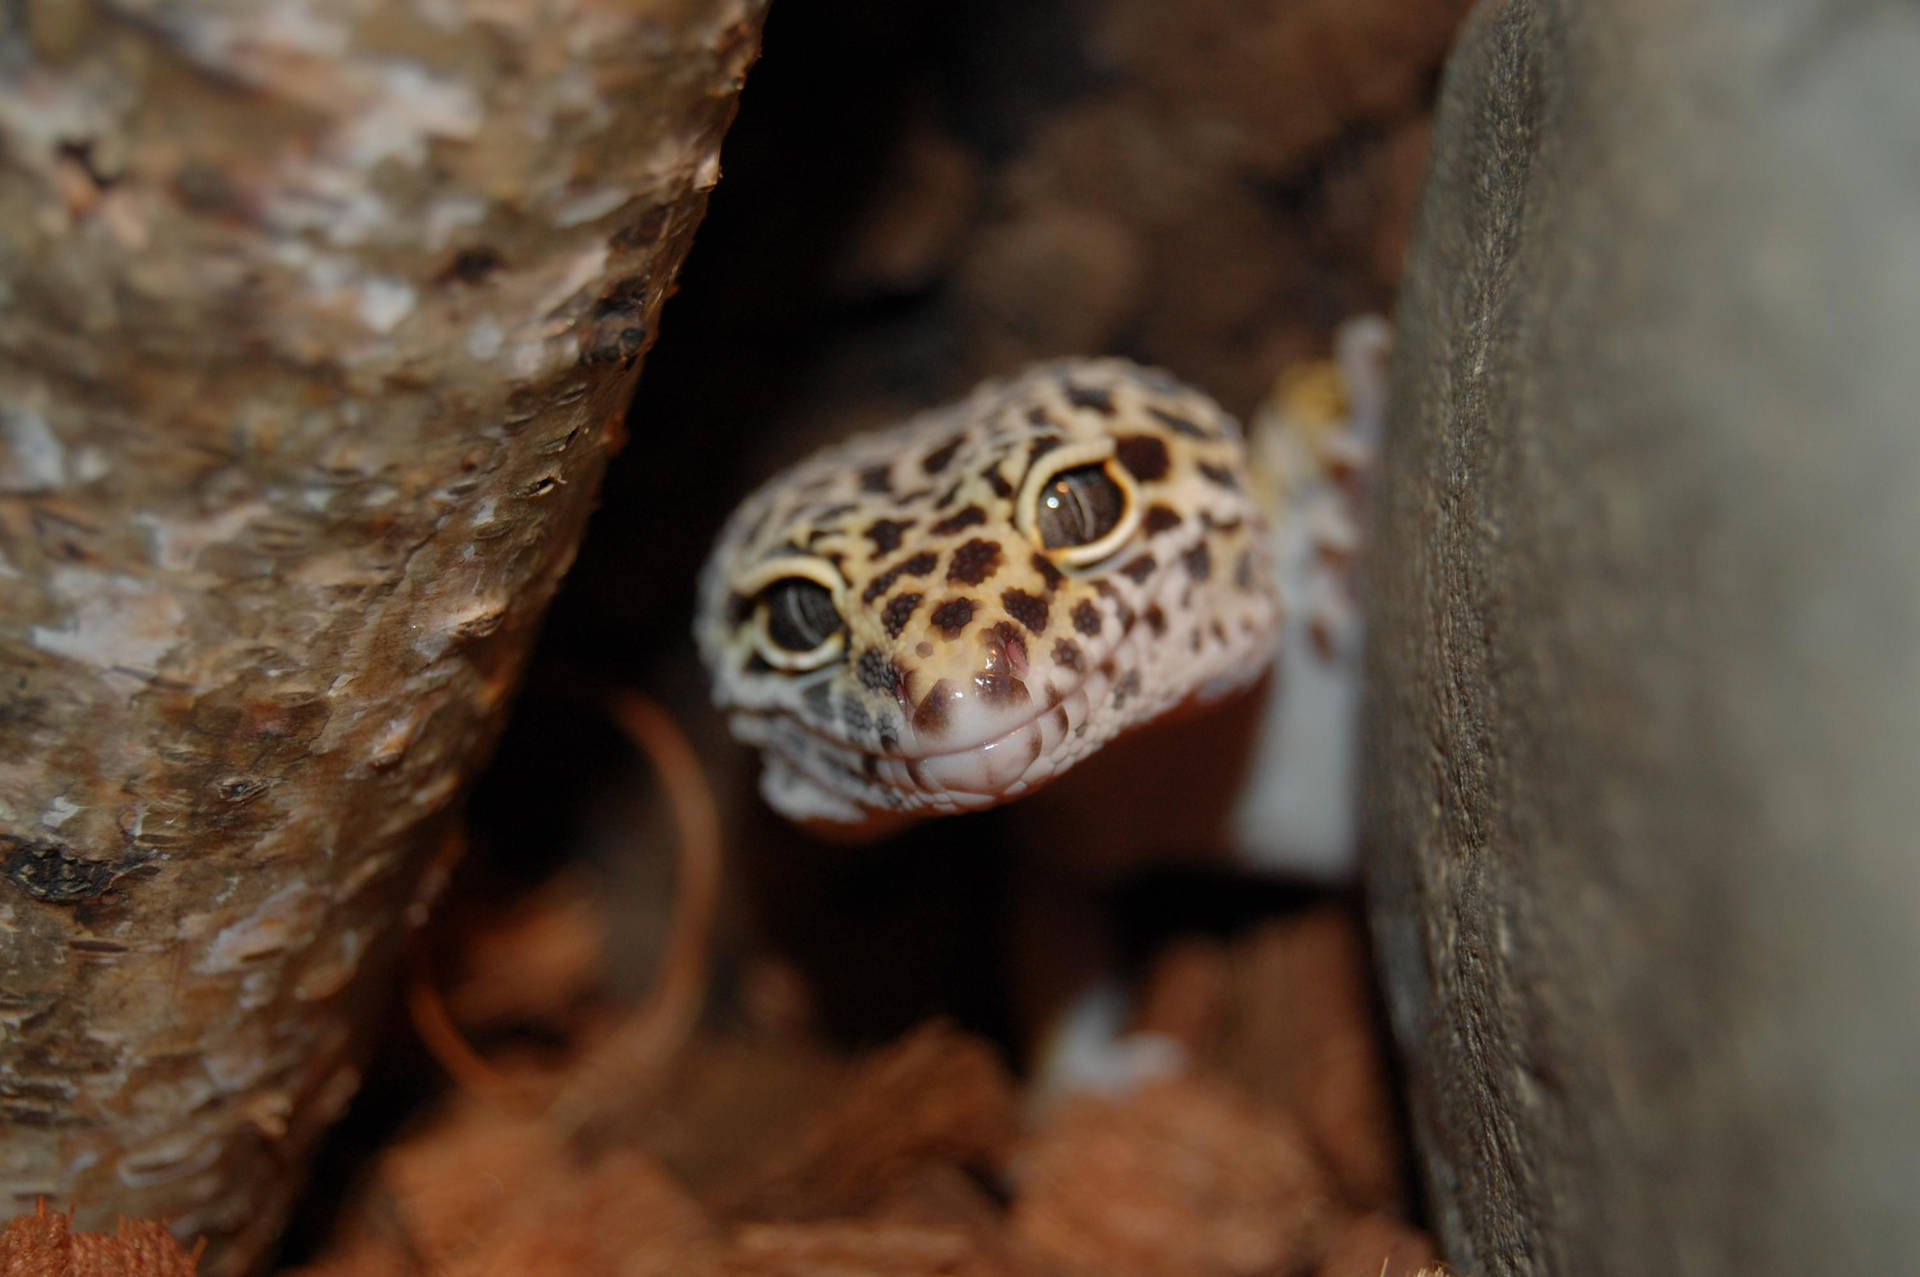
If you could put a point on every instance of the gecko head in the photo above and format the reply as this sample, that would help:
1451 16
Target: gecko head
947 614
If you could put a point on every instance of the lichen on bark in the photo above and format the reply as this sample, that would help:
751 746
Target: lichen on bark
318 321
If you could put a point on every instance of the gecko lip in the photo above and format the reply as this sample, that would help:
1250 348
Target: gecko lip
1072 699
1003 765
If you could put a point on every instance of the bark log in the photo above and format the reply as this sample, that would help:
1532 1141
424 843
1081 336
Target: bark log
320 320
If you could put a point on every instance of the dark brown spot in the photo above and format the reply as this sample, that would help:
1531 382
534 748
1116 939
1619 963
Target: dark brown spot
923 649
1159 518
1086 618
948 497
930 716
899 608
919 565
1037 415
1144 456
1156 619
1066 654
1052 575
1193 640
1199 562
937 460
1029 610
1001 488
967 518
885 535
1140 569
876 479
1219 476
756 664
1097 398
1218 631
952 616
1179 424
974 562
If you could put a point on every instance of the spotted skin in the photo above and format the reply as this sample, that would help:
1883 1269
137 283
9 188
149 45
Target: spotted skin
976 661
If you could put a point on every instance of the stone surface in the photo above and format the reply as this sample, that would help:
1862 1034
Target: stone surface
1646 665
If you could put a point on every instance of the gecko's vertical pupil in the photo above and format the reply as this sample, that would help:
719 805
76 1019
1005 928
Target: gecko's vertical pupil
800 613
1078 507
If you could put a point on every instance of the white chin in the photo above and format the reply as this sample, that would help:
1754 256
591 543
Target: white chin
799 797
833 816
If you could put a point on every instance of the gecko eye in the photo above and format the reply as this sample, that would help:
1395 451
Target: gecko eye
1081 508
800 614
796 621
1078 507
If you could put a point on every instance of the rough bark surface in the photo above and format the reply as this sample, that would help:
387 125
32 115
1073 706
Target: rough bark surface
1646 676
319 324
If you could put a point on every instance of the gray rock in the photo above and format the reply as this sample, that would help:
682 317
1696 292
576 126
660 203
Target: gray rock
1644 728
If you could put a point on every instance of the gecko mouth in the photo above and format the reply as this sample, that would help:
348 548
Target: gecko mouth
1030 751
1005 766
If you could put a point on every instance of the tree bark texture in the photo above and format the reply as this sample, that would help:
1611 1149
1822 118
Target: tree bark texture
1645 667
318 321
